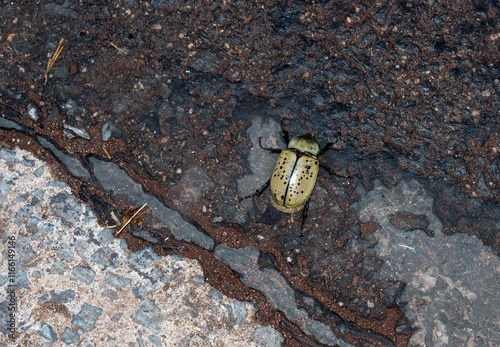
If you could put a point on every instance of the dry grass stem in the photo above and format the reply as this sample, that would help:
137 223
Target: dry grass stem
52 60
105 149
130 219
118 48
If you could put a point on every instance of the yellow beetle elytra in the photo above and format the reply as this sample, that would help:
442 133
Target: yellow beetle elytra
295 173
294 176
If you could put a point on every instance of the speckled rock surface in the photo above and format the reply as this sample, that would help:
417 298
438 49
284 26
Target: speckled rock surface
74 283
452 281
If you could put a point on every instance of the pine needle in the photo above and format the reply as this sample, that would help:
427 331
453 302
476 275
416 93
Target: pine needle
118 48
52 60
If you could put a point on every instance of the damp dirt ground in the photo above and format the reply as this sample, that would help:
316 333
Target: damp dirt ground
406 91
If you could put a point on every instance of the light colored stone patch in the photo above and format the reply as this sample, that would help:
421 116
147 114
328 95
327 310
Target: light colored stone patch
452 291
144 298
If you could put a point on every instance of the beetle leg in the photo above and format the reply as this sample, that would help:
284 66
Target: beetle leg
304 216
326 148
258 192
286 136
273 150
329 145
331 172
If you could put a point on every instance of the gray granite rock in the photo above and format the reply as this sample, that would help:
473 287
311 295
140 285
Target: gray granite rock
33 111
48 332
9 124
87 318
76 131
9 155
64 297
70 106
149 315
110 131
116 281
70 337
80 256
82 273
267 336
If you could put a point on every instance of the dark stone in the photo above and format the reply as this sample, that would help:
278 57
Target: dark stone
64 297
149 315
82 273
87 318
74 166
48 332
69 336
115 179
116 281
409 221
143 259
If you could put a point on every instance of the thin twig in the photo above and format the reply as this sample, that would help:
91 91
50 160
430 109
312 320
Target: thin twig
52 60
118 48
31 262
130 219
105 149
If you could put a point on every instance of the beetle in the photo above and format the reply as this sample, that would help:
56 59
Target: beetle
294 176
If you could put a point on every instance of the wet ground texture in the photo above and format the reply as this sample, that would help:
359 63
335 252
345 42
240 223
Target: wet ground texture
164 102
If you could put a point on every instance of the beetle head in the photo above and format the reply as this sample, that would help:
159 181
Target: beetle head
305 143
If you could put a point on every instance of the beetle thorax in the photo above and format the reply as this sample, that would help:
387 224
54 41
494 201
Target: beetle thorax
305 143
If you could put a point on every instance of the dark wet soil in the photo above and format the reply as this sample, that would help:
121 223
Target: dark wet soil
409 89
